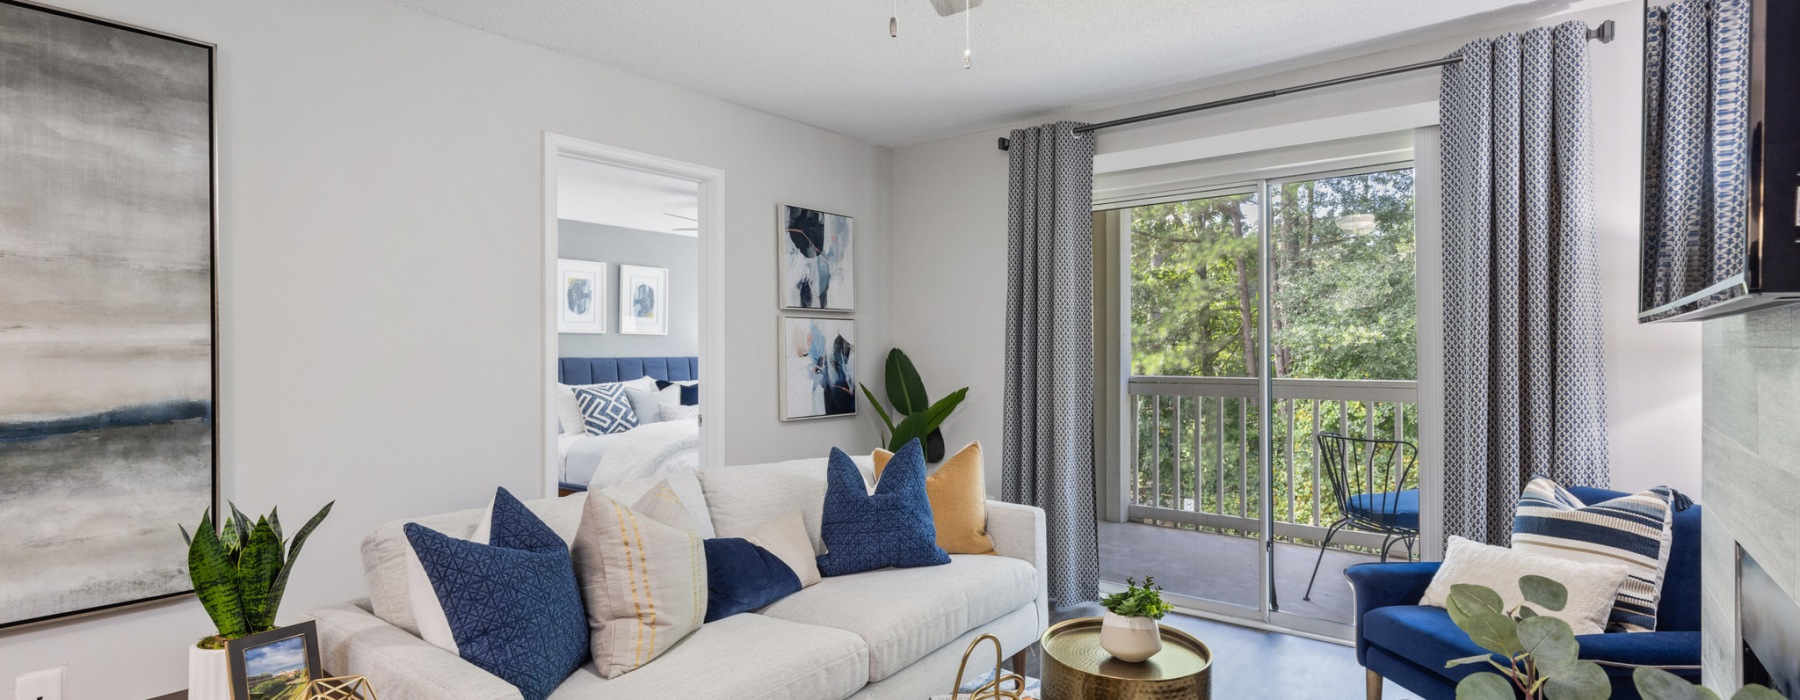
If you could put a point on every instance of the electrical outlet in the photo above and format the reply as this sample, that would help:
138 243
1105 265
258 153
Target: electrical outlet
40 685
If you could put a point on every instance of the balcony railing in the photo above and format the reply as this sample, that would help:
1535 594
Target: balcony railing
1197 458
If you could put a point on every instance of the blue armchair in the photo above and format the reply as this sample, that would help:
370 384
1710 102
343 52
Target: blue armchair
1408 643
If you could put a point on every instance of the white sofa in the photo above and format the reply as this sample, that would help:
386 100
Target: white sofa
893 633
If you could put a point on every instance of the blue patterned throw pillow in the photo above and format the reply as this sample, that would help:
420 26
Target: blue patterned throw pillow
891 527
513 605
1635 530
606 409
741 577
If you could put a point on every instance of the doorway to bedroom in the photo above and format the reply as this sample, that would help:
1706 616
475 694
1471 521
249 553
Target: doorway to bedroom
629 261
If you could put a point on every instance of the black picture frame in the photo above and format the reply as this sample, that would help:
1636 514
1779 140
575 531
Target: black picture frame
211 58
238 650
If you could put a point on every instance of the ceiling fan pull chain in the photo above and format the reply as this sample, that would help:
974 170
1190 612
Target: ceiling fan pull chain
894 21
967 5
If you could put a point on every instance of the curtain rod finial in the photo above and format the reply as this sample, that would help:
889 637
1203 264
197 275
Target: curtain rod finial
1606 32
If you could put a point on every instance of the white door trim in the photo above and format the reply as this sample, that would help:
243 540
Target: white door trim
711 182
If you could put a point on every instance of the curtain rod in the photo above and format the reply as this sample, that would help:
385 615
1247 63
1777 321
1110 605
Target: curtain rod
1604 33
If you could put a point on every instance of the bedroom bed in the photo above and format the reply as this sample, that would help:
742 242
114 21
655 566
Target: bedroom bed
617 456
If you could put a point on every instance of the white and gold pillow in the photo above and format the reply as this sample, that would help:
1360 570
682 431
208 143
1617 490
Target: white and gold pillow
642 578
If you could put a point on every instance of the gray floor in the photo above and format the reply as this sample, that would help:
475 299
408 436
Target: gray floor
1224 568
1251 664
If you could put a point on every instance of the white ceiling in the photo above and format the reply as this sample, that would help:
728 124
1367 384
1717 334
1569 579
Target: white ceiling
615 196
830 63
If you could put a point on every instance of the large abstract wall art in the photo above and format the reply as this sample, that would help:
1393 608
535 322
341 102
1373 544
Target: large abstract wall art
818 269
107 337
818 367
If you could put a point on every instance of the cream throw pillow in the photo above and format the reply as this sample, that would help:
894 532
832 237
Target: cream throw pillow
1592 587
786 538
643 580
958 495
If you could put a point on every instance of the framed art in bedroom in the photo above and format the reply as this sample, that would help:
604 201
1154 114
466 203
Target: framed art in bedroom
581 296
108 310
818 265
643 300
818 367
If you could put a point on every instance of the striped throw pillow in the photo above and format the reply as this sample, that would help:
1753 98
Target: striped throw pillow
1631 530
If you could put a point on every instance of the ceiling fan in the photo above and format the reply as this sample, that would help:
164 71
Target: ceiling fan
945 8
684 218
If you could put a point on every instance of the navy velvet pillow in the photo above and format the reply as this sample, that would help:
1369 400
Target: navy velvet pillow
690 393
891 527
741 577
513 605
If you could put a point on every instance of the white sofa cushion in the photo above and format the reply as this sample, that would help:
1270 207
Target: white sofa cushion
384 551
742 657
742 498
904 614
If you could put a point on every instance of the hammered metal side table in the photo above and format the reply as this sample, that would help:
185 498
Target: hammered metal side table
1076 668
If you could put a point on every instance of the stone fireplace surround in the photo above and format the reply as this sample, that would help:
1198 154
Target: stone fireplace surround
1750 472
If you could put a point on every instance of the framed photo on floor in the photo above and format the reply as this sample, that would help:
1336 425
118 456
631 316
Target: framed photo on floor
108 230
818 262
818 367
643 300
274 665
581 296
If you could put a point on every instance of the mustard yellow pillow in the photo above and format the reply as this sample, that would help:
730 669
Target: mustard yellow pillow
958 494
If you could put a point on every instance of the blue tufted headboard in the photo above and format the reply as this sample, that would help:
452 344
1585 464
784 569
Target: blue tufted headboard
595 370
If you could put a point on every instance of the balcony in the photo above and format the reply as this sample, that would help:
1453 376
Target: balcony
1193 492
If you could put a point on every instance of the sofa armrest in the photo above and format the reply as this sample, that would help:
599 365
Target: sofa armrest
399 665
1018 533
1383 585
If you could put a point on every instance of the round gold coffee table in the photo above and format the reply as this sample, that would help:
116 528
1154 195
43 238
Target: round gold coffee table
1076 668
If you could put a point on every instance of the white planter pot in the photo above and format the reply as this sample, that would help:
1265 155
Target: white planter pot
1132 639
209 676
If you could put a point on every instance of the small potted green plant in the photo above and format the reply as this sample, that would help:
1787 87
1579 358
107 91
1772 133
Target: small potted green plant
1129 631
239 572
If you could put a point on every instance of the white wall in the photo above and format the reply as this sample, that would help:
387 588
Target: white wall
950 218
380 270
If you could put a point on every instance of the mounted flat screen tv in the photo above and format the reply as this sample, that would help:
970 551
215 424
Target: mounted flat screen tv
1721 219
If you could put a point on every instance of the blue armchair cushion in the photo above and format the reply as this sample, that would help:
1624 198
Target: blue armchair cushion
1389 508
1426 636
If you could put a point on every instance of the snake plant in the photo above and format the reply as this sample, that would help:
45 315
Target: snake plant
919 416
240 570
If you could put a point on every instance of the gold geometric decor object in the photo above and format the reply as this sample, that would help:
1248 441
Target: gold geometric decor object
994 689
340 688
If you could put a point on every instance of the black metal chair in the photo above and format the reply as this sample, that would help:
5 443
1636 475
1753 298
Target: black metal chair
1369 482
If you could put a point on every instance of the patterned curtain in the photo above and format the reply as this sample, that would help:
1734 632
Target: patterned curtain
1524 375
1049 456
1696 73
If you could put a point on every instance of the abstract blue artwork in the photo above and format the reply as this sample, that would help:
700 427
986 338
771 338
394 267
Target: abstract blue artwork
818 367
818 269
106 312
582 307
643 300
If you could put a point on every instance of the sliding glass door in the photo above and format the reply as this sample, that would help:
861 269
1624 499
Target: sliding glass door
1260 315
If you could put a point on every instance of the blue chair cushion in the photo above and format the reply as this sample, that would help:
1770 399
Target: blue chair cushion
891 527
1427 637
1397 510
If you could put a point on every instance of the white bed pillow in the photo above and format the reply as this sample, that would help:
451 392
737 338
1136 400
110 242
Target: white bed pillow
568 410
679 412
647 404
1592 586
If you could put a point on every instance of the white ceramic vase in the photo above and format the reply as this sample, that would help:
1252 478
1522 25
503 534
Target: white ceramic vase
209 677
1132 639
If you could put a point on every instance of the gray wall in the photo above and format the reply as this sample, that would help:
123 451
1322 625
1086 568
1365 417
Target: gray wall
1751 469
615 246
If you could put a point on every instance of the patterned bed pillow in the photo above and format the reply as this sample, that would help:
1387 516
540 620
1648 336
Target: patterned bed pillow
606 409
1632 530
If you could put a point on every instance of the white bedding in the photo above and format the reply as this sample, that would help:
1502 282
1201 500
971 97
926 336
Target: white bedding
605 460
